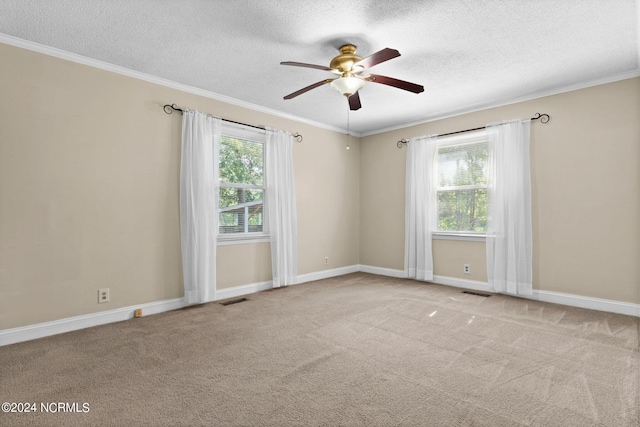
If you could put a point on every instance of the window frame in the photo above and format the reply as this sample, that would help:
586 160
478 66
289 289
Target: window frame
253 135
470 138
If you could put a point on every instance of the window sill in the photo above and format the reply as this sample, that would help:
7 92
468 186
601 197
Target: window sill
229 240
468 237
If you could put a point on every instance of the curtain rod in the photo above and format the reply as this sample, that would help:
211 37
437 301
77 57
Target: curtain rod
544 118
170 108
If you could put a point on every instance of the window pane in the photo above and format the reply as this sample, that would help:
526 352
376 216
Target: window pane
241 162
464 164
462 210
241 210
228 219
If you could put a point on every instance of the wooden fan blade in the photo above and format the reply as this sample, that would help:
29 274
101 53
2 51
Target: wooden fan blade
302 64
378 57
354 102
400 84
308 88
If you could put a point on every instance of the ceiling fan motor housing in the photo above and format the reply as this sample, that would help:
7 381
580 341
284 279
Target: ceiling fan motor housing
345 61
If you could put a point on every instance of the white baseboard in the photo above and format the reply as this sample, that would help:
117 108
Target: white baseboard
440 280
325 274
383 271
238 291
41 330
599 304
462 283
549 296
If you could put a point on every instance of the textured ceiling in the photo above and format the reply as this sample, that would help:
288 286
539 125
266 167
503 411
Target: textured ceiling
468 54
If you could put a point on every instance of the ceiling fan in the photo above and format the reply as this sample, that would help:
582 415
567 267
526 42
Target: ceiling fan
350 68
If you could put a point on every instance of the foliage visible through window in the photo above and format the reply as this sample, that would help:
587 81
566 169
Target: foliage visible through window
461 186
242 189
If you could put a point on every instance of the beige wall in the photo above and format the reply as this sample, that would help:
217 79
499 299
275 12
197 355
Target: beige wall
450 256
586 193
89 168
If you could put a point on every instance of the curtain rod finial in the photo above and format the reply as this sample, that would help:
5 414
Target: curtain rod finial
170 108
544 118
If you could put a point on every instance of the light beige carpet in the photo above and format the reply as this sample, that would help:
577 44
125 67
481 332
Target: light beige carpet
357 350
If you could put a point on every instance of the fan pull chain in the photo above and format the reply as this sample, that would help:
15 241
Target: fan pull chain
348 129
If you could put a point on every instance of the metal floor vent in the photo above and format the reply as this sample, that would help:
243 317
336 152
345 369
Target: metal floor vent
234 301
480 294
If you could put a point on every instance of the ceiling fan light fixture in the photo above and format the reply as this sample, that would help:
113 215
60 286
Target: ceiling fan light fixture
347 85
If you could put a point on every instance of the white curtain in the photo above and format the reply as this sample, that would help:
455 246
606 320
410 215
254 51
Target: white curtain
509 258
420 207
281 207
198 204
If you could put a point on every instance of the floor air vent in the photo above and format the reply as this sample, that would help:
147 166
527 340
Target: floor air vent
234 301
480 294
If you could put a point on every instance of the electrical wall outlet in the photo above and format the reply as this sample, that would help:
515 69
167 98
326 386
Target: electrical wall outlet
467 269
326 260
103 295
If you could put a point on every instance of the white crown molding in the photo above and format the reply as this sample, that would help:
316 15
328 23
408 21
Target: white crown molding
95 63
73 57
503 102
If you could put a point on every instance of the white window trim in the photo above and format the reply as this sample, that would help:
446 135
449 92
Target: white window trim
463 139
240 185
462 187
230 239
452 235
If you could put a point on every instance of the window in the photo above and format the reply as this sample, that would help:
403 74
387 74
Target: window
242 185
461 184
